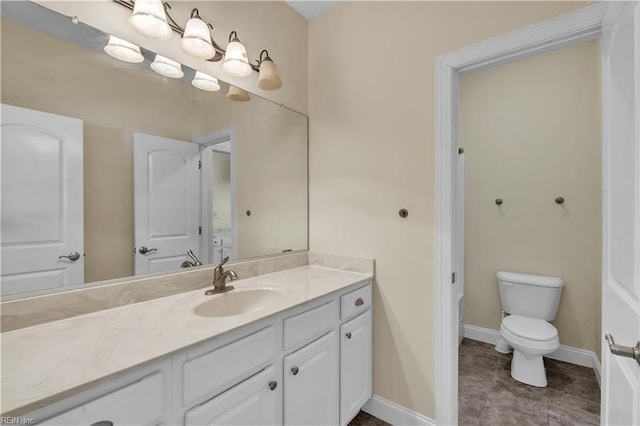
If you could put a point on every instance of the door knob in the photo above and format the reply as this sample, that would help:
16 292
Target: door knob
624 351
348 335
294 371
273 385
73 256
359 302
144 250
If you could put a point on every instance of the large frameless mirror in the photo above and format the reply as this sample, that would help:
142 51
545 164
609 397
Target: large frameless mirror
110 169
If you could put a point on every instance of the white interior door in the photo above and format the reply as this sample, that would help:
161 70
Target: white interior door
621 272
42 211
167 202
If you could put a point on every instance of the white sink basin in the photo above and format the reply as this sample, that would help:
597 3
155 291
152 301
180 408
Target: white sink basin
240 301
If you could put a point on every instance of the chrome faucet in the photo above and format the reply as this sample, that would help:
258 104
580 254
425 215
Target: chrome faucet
220 279
188 263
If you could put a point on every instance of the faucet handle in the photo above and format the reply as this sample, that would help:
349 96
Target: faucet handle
225 260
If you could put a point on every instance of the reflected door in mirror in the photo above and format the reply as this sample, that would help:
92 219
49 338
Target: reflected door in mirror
42 201
167 202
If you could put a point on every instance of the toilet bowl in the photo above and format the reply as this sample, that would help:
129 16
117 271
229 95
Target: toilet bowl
529 301
530 339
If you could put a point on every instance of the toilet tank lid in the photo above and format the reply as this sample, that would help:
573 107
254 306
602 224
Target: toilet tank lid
541 280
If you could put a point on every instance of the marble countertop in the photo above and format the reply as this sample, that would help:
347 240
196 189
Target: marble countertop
46 362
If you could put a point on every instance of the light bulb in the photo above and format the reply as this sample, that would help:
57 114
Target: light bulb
123 50
167 67
149 18
205 82
196 40
235 61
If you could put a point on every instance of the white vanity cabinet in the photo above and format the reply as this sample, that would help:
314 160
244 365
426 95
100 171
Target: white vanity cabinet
138 398
355 365
310 364
311 383
251 402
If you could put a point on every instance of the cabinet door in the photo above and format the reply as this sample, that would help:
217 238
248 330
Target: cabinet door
311 383
355 366
252 402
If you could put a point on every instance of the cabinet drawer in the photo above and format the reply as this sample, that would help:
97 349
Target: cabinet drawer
308 325
140 403
252 402
222 368
354 302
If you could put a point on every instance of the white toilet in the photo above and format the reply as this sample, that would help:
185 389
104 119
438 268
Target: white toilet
530 302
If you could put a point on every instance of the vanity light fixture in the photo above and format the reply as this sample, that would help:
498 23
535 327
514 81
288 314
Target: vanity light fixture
149 18
123 50
196 40
269 78
237 94
205 82
167 67
235 61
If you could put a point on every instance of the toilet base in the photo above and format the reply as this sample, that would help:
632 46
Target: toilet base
528 369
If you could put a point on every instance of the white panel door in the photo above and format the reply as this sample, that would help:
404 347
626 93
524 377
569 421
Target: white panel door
166 202
311 383
355 366
621 271
42 210
252 402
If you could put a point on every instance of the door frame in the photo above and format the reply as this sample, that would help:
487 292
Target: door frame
208 142
565 30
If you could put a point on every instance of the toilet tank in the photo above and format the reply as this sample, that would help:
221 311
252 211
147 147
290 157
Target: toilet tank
534 296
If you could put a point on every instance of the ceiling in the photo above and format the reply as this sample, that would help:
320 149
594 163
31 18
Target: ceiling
312 8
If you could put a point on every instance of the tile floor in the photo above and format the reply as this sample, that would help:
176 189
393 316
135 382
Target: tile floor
365 419
488 395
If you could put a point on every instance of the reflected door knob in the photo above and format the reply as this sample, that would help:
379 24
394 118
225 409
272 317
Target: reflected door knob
294 371
73 256
144 250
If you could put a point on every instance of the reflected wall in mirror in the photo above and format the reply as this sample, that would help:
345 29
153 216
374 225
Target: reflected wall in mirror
130 169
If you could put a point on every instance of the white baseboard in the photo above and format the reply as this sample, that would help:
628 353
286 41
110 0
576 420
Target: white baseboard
393 413
565 353
596 368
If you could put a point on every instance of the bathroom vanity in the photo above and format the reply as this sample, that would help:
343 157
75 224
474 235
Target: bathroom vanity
291 347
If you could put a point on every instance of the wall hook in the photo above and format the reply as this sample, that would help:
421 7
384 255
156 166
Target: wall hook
499 201
559 200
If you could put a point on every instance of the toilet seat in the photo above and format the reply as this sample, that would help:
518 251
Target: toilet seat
530 328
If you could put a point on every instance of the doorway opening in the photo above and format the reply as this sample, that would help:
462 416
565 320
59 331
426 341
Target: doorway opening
582 25
530 206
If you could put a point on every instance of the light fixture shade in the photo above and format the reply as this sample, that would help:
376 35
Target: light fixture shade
205 82
235 59
269 78
167 67
196 40
237 94
149 18
123 50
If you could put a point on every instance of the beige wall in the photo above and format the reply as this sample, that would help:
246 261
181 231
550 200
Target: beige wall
531 133
371 102
270 25
114 100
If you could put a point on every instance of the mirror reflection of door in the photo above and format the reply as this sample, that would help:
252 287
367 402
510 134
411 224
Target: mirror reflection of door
42 201
166 202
